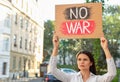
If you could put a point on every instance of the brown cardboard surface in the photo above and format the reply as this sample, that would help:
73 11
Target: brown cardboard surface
62 21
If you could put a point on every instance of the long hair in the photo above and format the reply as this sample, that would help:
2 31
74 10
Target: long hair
87 53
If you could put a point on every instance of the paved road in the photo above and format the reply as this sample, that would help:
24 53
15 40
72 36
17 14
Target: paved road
36 80
15 80
23 80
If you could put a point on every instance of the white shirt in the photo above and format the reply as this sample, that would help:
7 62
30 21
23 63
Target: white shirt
77 77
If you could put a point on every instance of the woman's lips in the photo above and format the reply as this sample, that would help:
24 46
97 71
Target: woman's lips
82 66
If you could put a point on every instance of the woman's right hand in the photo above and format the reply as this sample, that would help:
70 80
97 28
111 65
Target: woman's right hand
55 41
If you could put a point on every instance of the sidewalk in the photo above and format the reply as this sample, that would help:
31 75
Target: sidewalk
18 80
39 79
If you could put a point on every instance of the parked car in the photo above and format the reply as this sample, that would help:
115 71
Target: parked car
68 70
50 78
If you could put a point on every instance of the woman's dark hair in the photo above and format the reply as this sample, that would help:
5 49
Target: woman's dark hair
89 54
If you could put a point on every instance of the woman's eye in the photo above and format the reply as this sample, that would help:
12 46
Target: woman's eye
79 59
85 59
82 59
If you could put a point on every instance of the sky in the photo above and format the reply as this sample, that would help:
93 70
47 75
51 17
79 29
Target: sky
47 7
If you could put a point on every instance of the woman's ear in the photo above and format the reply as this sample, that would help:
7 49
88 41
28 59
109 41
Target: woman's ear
91 64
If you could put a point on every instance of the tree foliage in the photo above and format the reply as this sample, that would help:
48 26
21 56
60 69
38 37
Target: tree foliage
111 29
68 48
48 33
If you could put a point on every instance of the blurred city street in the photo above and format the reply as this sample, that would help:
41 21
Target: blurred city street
23 80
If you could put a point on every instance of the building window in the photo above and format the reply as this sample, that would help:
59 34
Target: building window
25 44
29 64
14 63
34 46
30 45
36 1
38 65
21 22
35 30
6 44
4 68
26 24
19 65
25 64
33 65
15 40
9 0
7 21
16 16
20 42
31 28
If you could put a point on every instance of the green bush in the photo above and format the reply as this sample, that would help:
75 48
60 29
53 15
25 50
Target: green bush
117 76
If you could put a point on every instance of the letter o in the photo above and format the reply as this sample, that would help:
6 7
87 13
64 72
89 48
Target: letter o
85 14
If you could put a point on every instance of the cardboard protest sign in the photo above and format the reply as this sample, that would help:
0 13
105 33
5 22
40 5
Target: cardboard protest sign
79 20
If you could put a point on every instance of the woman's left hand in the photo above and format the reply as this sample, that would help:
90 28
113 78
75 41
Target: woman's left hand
104 43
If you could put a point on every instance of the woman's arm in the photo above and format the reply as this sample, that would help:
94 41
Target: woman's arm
53 62
55 45
111 68
104 44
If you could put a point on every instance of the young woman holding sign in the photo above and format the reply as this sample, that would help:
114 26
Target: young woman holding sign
86 65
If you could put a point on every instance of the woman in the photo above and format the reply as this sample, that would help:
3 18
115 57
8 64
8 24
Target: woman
85 64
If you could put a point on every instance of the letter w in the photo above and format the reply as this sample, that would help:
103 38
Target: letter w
71 28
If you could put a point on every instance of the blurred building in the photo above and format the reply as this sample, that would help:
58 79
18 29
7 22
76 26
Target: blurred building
21 38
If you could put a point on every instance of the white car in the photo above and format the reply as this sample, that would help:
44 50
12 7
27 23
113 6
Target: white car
68 70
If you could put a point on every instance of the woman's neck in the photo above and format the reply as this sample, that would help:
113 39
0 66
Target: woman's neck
85 74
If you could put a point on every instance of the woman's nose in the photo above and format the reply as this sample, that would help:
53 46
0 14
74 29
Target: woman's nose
81 61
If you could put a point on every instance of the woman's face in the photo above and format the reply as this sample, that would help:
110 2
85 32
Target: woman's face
83 62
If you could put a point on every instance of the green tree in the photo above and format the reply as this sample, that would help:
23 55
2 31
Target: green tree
67 48
48 33
94 1
111 20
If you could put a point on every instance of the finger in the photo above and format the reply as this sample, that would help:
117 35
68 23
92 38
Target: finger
103 41
57 38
